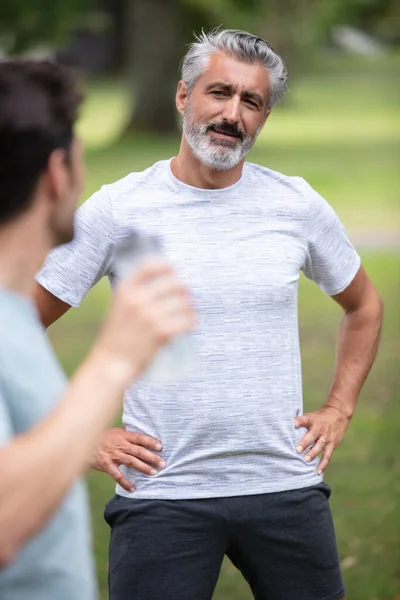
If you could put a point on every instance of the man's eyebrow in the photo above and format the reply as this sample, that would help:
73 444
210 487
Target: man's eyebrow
230 88
220 84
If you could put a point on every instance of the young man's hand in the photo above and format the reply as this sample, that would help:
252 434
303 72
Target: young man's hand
149 310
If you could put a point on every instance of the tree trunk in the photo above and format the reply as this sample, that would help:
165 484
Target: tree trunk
153 50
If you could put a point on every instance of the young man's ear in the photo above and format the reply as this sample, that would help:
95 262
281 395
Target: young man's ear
181 97
57 178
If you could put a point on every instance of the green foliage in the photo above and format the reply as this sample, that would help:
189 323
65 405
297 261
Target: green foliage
24 23
230 14
295 27
288 23
377 17
374 16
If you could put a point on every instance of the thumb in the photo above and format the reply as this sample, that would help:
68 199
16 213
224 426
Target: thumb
302 421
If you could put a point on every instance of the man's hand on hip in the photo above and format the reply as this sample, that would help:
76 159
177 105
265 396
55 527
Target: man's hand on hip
120 447
326 429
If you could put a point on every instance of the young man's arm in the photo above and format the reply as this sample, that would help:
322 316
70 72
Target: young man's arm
116 445
38 467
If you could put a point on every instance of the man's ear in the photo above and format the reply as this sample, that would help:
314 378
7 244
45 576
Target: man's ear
267 115
57 175
182 96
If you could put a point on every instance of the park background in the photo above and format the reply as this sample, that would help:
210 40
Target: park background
338 128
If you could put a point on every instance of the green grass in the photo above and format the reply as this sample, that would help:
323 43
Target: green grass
339 131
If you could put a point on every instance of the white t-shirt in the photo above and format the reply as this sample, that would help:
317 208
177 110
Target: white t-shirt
229 429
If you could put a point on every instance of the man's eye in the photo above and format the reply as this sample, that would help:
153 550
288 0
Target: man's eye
218 93
251 103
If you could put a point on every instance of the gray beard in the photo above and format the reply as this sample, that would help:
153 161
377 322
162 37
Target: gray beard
217 154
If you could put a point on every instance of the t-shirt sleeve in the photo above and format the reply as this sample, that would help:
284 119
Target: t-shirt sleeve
72 269
332 261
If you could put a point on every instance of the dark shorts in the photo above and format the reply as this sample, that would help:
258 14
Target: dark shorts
283 543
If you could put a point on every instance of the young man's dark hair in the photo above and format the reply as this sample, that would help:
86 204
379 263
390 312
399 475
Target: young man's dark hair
39 103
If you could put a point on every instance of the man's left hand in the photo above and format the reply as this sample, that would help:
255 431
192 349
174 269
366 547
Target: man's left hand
326 429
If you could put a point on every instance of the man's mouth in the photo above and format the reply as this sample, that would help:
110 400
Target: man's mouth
228 133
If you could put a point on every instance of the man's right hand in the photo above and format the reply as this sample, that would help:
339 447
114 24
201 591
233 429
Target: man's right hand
149 310
120 447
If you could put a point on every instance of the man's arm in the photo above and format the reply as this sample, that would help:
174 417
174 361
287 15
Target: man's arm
38 467
49 306
357 346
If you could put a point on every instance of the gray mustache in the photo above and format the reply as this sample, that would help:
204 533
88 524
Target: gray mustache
227 128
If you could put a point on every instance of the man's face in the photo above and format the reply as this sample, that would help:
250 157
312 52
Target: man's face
68 175
225 111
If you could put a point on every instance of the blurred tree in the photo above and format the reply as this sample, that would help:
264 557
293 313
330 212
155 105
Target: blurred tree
157 30
377 17
289 25
155 33
152 53
24 23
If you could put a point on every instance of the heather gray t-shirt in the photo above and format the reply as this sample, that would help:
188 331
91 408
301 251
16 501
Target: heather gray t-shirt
229 429
56 564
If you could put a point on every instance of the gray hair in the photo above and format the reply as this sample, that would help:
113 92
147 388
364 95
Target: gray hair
241 45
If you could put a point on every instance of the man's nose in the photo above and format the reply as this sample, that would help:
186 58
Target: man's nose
231 112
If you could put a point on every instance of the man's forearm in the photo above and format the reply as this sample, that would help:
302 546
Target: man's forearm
357 346
37 468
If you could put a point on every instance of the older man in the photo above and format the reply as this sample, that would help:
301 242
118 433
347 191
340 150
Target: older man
242 476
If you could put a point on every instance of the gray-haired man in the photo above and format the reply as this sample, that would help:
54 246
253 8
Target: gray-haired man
238 479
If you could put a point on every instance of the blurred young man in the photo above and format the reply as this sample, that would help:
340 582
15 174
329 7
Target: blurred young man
48 430
240 479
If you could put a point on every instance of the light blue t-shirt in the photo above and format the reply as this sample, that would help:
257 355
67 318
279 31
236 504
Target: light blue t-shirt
57 563
228 430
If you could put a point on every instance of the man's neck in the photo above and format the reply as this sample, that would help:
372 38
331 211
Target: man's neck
191 171
24 245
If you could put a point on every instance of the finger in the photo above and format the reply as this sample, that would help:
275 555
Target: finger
167 301
176 324
145 455
141 439
150 269
138 465
119 478
168 287
315 450
303 421
326 457
309 438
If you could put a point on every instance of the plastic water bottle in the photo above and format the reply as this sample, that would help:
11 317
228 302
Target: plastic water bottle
173 362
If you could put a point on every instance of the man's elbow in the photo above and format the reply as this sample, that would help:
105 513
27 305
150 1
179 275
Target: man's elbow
372 312
378 306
